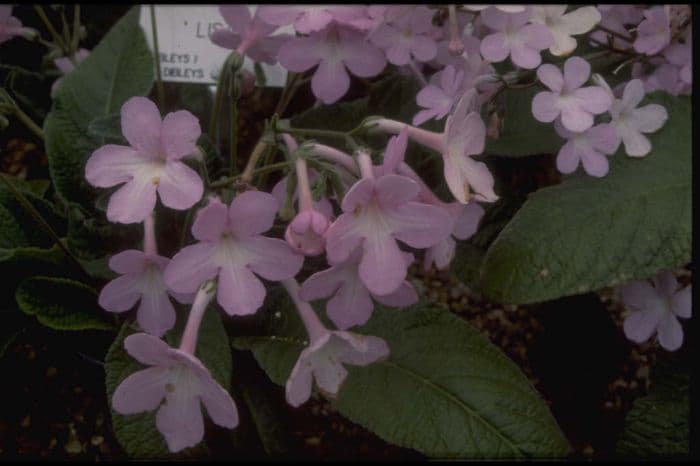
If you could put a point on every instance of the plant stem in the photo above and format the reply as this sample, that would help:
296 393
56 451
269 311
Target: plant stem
54 34
233 125
265 169
40 220
322 133
76 29
613 33
156 52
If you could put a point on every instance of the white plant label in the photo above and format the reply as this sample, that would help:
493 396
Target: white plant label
186 53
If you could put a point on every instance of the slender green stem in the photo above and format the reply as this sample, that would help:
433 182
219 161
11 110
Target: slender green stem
606 30
65 28
268 168
233 125
322 133
218 101
6 99
611 49
268 158
76 29
156 52
54 34
40 220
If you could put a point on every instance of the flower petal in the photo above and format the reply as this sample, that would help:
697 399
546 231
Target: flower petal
236 16
252 213
382 268
133 202
362 350
640 325
156 314
180 187
576 73
298 386
351 305
670 333
681 303
179 134
551 77
493 47
141 125
240 292
404 296
342 237
468 221
545 106
568 158
130 261
141 391
218 402
180 421
120 295
111 165
272 258
148 349
301 53
419 225
211 221
191 267
329 377
649 118
330 81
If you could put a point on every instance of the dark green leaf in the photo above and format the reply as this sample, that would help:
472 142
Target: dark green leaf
588 233
62 304
445 391
120 67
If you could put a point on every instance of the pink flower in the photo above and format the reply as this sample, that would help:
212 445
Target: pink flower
248 35
681 55
231 246
10 26
408 37
328 350
377 213
141 280
308 19
574 103
151 163
464 135
351 301
65 66
656 309
654 33
183 381
501 8
630 122
563 25
589 148
439 100
514 37
466 222
334 49
615 18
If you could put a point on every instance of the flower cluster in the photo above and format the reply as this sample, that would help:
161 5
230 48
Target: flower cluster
381 214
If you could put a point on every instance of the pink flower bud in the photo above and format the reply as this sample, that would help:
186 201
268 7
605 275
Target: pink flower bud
305 232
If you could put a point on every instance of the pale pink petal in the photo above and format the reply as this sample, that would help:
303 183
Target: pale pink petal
594 99
423 48
179 134
468 221
649 118
670 333
240 292
133 202
392 190
224 37
636 144
252 213
298 387
419 225
156 314
545 107
665 283
273 259
351 305
342 237
358 195
525 57
180 420
121 294
210 222
395 150
595 163
382 268
330 81
681 303
329 377
363 59
362 350
141 391
300 54
148 349
639 295
574 119
633 94
112 164
494 19
323 284
180 187
536 37
236 16
404 296
640 326
576 72
129 261
493 47
191 267
141 124
218 402
551 77
567 158
462 173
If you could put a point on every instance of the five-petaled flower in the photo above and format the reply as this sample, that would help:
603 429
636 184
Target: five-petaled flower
151 163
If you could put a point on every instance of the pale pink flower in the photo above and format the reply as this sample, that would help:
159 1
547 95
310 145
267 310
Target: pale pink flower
631 121
376 213
616 18
514 37
141 279
351 302
248 35
183 381
407 38
335 50
654 33
656 309
574 103
231 246
328 350
438 100
590 148
65 65
563 25
464 135
466 222
152 162
311 18
10 26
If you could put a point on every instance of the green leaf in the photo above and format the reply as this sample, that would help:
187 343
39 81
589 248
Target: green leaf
12 323
588 233
520 133
120 67
138 433
62 304
107 127
17 226
446 391
659 424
